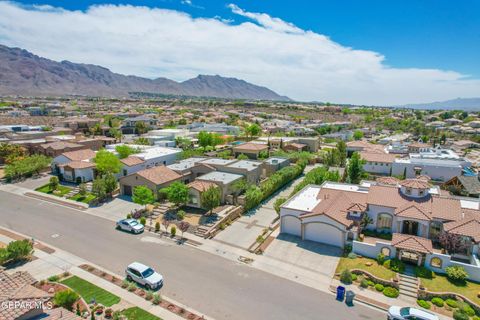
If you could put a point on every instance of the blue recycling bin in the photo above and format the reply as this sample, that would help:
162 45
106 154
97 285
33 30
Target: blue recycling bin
340 293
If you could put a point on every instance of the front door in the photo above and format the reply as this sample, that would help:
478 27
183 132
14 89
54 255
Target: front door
409 257
410 227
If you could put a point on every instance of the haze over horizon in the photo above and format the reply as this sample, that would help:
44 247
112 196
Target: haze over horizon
289 53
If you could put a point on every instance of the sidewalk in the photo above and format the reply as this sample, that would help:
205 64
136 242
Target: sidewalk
47 265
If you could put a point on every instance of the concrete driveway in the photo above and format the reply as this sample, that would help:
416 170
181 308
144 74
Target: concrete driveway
116 209
313 256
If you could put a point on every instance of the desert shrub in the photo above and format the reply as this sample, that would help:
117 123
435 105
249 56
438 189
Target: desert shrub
380 258
143 220
149 295
424 304
466 308
379 287
157 226
131 286
390 292
17 250
346 276
53 278
456 273
156 298
438 302
65 299
423 272
364 283
352 255
370 283
173 231
180 215
354 277
451 303
460 315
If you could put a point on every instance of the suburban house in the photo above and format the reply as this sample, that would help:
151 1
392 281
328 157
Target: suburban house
154 178
75 166
378 163
129 125
413 211
195 190
191 168
250 149
273 164
224 180
311 144
56 148
251 170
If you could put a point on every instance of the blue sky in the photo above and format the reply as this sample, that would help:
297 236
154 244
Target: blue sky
437 42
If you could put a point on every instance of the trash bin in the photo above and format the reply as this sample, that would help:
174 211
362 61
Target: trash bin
349 297
340 293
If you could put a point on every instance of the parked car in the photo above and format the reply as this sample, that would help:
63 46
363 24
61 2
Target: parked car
144 275
130 225
407 313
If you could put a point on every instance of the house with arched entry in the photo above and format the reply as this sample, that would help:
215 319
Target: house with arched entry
400 218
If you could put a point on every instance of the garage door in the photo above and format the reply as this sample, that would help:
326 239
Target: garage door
127 190
324 233
291 225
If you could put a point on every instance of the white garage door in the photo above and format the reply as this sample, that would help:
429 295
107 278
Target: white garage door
324 233
291 225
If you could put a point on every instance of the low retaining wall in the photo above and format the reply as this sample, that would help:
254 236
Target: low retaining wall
234 213
371 250
428 295
375 279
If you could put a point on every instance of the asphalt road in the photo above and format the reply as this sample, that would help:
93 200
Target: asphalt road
208 283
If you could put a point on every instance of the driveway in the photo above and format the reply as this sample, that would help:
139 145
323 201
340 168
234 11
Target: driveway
116 209
313 256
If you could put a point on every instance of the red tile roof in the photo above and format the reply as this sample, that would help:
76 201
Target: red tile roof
159 175
415 183
201 186
412 243
131 161
85 154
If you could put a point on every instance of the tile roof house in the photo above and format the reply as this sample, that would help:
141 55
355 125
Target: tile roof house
250 149
75 166
412 210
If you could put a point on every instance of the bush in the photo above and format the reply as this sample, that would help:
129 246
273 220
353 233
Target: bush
370 283
390 292
460 315
364 283
149 295
452 303
379 287
456 273
17 250
475 318
53 278
132 287
352 255
380 258
129 216
423 272
173 231
386 264
394 265
466 308
354 277
143 220
65 299
438 302
156 298
424 304
125 284
346 276
180 215
157 226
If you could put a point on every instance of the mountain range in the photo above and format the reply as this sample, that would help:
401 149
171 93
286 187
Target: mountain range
466 104
26 74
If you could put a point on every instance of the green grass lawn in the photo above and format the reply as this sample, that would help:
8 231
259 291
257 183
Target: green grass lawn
136 313
441 284
360 263
85 199
89 291
63 190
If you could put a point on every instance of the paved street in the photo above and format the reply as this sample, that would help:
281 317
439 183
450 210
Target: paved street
211 284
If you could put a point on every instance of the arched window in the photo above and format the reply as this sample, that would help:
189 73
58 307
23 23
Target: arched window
436 262
386 251
384 222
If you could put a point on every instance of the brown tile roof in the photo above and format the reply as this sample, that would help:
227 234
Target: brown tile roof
251 146
85 154
297 145
470 227
60 145
392 181
424 177
377 157
132 161
415 183
159 175
413 212
59 314
80 164
201 185
413 243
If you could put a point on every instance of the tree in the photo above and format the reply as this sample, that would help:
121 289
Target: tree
115 133
9 153
99 189
107 162
204 138
183 226
355 168
82 189
65 299
18 250
166 224
239 186
53 183
242 156
142 141
278 203
26 167
253 130
183 143
124 151
140 127
263 155
210 198
253 197
452 243
177 192
142 195
365 221
357 135
110 183
342 153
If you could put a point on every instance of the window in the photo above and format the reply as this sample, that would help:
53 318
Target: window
408 191
384 222
421 192
124 172
385 251
436 262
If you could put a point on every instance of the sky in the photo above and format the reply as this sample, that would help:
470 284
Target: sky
372 52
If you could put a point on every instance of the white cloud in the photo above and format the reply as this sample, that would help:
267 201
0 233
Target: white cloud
267 51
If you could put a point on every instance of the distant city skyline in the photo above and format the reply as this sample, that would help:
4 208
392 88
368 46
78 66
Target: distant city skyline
369 52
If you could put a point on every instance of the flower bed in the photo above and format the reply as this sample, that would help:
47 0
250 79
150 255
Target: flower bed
54 287
143 293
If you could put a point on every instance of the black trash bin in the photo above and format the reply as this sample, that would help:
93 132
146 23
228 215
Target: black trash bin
349 297
340 293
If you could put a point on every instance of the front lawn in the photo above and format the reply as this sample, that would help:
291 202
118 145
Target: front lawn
89 291
361 263
135 313
440 283
61 190
87 198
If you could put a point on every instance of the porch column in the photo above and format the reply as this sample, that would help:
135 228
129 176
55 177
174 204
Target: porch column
420 258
